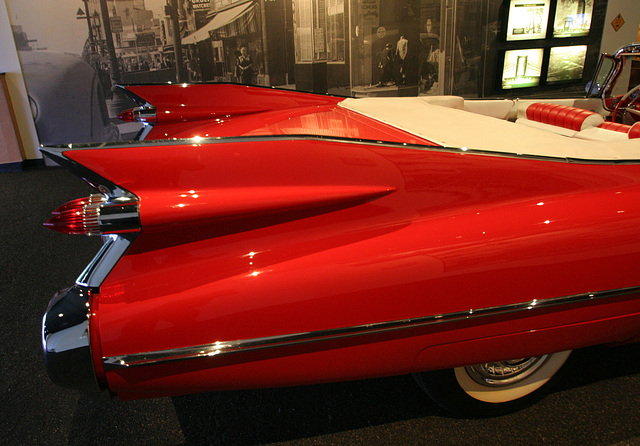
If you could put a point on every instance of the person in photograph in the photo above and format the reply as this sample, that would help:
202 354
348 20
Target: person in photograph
401 56
244 66
193 70
386 65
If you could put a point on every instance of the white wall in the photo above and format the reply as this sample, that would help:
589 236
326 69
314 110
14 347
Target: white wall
10 64
630 12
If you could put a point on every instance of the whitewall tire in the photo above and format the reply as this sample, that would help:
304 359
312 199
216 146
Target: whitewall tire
494 388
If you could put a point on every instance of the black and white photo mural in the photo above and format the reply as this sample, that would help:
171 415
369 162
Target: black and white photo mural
74 52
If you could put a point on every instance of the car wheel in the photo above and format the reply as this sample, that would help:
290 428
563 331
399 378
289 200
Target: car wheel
494 388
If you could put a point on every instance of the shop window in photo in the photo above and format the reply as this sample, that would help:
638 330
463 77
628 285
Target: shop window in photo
527 19
335 31
309 30
522 68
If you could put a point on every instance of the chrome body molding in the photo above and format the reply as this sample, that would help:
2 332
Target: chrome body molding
99 183
104 214
116 215
220 348
113 248
144 132
56 153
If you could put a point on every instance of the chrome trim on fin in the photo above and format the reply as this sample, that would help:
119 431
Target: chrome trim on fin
93 179
53 151
101 265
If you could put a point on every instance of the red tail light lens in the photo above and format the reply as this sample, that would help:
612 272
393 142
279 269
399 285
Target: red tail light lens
79 203
77 216
127 116
139 114
95 215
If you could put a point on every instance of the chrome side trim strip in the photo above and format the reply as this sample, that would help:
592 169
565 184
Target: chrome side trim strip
101 265
99 183
144 132
221 348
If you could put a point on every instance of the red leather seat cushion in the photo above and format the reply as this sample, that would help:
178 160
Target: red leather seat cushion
616 127
559 115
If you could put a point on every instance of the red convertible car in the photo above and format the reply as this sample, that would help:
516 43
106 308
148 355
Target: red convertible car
256 237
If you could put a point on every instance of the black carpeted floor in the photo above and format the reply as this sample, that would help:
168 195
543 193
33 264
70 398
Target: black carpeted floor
596 403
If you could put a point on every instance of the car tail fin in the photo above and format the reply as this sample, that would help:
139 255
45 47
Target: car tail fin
174 103
111 211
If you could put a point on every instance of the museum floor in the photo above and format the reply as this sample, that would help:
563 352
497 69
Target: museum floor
596 403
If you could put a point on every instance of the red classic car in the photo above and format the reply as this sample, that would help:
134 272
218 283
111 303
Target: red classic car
256 237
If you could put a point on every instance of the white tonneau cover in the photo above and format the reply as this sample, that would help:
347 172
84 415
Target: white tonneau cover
451 126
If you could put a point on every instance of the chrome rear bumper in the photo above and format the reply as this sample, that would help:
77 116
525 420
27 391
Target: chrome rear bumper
65 341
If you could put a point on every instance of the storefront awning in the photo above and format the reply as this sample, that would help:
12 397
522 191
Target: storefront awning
221 19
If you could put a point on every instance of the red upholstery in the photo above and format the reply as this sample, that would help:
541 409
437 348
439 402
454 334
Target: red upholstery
634 132
558 115
616 127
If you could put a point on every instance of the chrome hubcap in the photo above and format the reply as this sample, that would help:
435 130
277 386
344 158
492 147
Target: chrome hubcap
503 373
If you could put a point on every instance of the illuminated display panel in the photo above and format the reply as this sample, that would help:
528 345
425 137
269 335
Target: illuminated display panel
573 18
522 68
528 19
566 63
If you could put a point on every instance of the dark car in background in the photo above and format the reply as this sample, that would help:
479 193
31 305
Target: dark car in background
67 99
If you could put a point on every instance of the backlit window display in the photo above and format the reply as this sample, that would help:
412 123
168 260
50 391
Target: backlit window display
573 18
528 19
522 68
566 63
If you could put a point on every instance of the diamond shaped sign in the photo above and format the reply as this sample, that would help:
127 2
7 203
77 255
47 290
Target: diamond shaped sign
617 22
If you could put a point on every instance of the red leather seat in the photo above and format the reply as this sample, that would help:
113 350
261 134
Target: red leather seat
616 127
571 118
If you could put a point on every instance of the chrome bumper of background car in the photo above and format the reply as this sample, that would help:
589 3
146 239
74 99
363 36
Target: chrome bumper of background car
65 341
